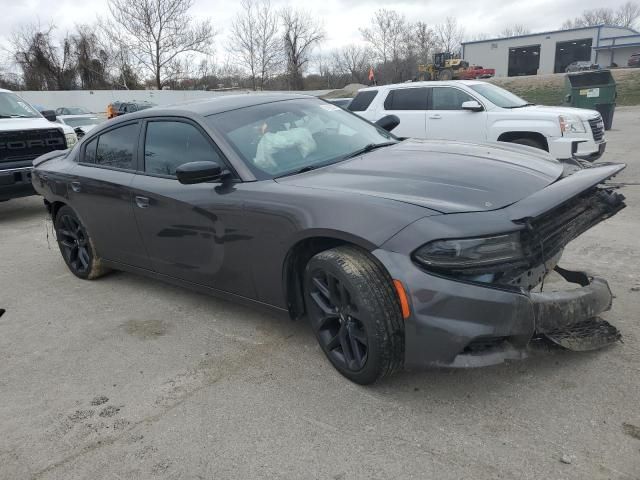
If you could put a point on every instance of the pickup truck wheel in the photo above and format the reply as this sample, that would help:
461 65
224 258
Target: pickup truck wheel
354 313
529 142
76 246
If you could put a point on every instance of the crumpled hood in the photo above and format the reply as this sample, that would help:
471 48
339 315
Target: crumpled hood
582 113
449 177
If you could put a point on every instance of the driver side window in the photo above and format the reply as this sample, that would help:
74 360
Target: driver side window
446 98
169 144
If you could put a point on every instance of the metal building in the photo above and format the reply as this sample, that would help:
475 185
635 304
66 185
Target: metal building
552 52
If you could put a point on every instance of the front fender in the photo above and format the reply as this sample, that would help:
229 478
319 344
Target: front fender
546 127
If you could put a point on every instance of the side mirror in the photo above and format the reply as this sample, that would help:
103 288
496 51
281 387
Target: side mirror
388 122
472 106
199 172
49 115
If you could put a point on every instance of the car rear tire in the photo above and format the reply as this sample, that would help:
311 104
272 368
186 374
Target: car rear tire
76 246
355 314
529 142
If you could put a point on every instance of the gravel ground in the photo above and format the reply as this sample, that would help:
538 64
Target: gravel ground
126 378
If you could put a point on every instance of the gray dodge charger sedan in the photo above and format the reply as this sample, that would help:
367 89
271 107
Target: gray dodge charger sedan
398 252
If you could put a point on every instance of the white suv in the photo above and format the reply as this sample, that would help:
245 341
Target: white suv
476 111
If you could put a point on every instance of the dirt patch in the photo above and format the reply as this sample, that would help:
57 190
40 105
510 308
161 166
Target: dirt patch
99 400
631 430
80 415
145 329
109 411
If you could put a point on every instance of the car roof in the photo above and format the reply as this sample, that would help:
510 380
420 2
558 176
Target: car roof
224 103
218 104
204 107
437 83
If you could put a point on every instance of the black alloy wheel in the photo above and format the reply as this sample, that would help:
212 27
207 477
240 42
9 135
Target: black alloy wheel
341 334
355 314
76 246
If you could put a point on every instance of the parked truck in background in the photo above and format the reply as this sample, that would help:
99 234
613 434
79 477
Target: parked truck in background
26 134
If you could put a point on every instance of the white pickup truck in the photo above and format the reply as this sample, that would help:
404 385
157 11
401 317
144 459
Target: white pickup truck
476 111
26 134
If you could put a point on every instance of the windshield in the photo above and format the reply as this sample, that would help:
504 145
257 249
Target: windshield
12 106
279 138
499 96
78 122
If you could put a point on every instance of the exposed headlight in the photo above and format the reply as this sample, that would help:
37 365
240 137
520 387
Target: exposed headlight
570 124
71 139
469 253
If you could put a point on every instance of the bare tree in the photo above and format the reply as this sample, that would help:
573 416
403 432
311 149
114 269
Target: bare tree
515 30
449 35
424 38
301 34
256 41
627 14
91 59
354 61
158 32
385 34
44 65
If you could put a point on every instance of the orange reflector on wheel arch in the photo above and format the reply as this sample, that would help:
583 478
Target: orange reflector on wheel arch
404 300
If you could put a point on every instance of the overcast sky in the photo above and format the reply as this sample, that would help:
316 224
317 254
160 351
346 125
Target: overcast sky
341 18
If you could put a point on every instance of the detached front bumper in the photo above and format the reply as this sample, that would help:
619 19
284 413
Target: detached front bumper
459 324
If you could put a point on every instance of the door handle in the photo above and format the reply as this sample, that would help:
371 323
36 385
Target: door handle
75 186
435 116
142 202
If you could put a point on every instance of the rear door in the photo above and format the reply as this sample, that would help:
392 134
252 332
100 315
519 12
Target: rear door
446 120
410 105
196 233
99 192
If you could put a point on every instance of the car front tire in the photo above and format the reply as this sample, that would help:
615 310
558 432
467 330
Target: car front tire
76 246
355 314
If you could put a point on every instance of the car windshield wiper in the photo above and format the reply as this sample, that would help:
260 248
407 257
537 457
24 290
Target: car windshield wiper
368 148
14 116
308 168
523 105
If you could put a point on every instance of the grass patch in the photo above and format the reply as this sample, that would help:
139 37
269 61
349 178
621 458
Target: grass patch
549 89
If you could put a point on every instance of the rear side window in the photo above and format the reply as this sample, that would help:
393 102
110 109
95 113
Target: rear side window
116 147
445 98
362 101
406 99
90 151
171 144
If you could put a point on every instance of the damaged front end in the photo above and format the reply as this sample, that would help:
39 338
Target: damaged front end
567 310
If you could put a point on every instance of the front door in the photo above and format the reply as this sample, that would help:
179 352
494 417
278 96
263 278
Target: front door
447 121
99 190
194 232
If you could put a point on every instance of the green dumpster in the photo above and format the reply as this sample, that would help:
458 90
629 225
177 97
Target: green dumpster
594 89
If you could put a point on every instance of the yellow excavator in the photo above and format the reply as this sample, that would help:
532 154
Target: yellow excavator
445 66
